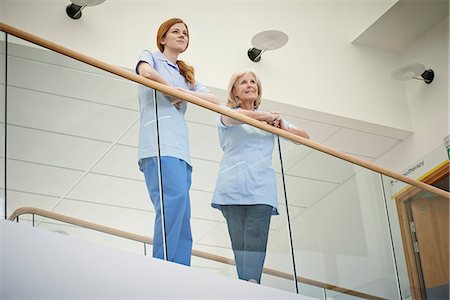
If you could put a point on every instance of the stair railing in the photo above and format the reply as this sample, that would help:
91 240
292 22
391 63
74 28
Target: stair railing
213 107
149 241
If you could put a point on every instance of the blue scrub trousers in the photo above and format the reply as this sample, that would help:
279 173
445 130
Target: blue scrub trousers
248 226
176 182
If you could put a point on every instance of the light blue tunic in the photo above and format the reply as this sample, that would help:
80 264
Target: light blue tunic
246 175
174 135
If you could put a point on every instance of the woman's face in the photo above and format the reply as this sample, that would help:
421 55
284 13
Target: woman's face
245 88
176 38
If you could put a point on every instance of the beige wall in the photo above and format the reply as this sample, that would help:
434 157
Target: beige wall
428 104
318 69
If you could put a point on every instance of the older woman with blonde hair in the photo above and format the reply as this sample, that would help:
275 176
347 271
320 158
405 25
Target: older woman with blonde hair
172 237
246 189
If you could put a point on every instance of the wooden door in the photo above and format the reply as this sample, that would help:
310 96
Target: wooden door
430 216
424 226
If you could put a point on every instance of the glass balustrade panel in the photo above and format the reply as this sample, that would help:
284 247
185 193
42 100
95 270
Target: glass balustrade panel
420 226
72 141
330 294
73 136
2 123
226 174
311 291
85 234
339 225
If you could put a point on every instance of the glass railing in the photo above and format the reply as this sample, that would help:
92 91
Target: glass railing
72 135
341 235
3 213
72 142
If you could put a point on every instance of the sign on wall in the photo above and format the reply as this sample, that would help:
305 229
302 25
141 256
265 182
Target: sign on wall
426 165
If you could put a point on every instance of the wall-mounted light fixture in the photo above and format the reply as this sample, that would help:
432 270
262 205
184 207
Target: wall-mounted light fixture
74 10
266 40
413 71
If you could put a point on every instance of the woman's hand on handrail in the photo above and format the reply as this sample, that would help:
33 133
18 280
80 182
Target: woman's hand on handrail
285 125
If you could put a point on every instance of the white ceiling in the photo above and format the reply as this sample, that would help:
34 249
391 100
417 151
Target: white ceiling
403 24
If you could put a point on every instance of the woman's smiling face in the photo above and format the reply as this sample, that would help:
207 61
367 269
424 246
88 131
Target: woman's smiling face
245 88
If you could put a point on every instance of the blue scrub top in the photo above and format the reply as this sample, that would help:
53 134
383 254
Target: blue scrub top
246 175
173 132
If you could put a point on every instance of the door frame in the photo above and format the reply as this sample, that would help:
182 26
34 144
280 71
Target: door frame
401 200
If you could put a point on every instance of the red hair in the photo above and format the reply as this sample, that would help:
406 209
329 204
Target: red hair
186 70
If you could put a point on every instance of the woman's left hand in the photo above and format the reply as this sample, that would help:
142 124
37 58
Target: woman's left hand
277 120
284 125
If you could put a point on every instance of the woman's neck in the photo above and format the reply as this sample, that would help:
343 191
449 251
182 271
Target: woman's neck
171 55
248 105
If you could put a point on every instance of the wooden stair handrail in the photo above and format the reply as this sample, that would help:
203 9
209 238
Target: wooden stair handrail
213 107
147 240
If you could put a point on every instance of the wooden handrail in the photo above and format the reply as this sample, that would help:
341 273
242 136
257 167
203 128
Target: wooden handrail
147 240
213 107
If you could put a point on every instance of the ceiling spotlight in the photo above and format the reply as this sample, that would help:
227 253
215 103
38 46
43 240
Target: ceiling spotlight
413 71
74 10
266 40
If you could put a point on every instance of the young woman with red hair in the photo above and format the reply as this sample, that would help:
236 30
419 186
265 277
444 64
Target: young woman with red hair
172 238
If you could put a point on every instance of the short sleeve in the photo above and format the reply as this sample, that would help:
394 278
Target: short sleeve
198 87
219 120
145 56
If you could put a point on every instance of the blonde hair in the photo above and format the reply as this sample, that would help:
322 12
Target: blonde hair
186 70
234 102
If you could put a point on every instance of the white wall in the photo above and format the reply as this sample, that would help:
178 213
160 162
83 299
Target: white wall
428 104
429 109
318 69
36 264
1 11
